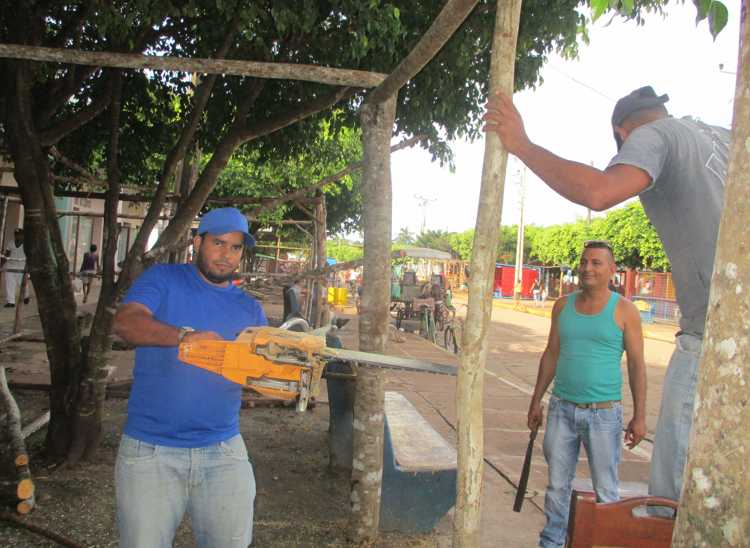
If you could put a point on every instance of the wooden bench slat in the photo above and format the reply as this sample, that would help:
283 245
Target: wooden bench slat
417 446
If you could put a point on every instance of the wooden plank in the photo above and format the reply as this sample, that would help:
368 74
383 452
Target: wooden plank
278 71
417 446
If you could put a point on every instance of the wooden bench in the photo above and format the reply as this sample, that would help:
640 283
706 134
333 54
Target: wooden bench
616 523
419 470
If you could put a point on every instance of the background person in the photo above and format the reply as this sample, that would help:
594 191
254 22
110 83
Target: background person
15 261
89 268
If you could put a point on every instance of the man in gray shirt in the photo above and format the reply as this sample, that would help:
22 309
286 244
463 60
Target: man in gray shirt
677 167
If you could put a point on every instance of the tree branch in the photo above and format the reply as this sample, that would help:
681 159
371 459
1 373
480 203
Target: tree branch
63 89
445 24
70 164
200 99
74 26
53 135
293 115
236 136
295 195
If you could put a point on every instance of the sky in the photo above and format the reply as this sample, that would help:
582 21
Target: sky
569 114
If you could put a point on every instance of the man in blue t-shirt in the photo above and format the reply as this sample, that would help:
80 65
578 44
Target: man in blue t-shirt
590 329
677 167
181 449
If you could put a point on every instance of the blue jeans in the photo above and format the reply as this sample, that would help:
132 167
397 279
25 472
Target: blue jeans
675 419
157 484
600 430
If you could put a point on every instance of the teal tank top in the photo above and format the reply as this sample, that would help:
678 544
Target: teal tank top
591 346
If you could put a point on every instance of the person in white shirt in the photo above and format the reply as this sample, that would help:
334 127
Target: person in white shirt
14 264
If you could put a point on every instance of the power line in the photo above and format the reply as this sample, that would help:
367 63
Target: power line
583 84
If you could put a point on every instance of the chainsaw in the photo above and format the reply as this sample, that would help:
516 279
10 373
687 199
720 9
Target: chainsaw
287 364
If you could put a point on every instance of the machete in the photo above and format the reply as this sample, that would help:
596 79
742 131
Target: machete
521 493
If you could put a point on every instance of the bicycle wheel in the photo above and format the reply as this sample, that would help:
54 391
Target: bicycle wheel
431 335
450 339
423 325
440 317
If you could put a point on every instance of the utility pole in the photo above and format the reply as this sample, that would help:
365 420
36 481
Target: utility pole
423 202
519 241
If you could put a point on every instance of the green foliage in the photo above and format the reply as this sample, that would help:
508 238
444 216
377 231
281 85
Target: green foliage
561 244
343 251
444 101
253 172
634 240
405 237
434 239
461 243
715 11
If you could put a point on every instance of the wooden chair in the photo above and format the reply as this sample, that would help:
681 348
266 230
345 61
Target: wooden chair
614 524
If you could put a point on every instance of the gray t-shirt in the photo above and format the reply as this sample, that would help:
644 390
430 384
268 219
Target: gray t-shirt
687 162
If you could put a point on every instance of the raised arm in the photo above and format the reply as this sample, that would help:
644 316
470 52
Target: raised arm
579 183
633 341
547 368
135 324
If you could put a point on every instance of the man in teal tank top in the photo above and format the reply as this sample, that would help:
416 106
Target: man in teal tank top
590 329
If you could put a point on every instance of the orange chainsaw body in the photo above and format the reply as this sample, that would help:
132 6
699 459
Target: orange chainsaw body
275 362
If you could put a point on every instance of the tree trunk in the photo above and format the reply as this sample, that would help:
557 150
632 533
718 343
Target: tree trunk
92 384
714 507
45 257
320 285
367 466
469 390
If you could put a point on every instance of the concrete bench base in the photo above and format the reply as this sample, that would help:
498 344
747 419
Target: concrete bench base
419 470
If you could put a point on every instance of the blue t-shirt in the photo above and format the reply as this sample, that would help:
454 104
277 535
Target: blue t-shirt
173 403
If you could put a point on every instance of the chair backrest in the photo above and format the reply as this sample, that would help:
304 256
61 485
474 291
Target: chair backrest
291 303
614 524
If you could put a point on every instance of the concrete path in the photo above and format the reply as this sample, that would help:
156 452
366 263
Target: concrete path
516 341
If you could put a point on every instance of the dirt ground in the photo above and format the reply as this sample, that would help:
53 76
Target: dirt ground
300 502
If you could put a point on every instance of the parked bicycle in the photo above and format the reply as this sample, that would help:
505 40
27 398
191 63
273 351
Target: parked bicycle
452 331
427 323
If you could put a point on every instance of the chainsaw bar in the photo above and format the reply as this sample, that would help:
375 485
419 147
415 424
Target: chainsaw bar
383 361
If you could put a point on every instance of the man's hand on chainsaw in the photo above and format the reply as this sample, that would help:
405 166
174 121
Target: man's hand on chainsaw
195 336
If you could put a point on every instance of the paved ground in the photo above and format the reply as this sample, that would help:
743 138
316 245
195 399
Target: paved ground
516 340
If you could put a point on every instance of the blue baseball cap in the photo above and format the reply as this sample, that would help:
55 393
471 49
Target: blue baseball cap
223 221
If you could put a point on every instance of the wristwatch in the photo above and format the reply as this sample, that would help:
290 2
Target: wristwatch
182 332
